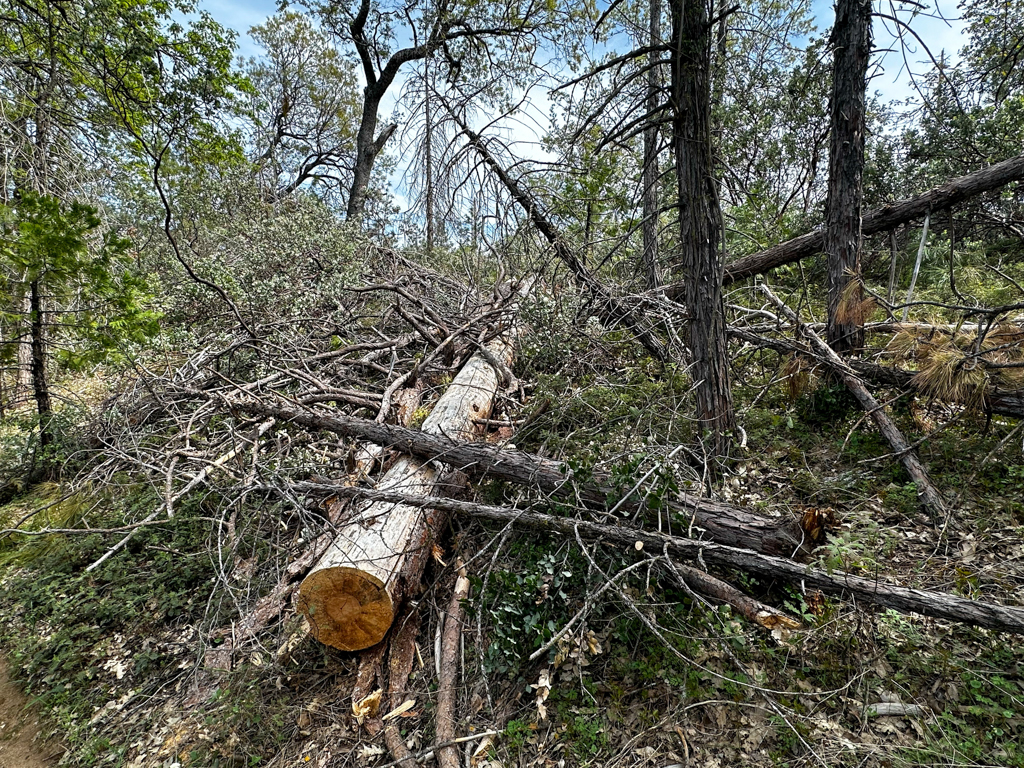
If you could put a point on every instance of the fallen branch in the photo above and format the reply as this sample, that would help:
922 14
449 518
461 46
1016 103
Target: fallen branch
400 658
170 499
927 494
444 725
935 604
876 220
1003 402
723 523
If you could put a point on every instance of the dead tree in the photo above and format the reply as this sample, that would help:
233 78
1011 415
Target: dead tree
611 306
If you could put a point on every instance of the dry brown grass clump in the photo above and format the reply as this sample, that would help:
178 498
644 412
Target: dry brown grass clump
954 367
854 307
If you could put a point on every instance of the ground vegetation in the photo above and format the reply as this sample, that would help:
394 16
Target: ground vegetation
638 451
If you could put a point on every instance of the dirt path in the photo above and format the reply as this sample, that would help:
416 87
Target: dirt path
19 746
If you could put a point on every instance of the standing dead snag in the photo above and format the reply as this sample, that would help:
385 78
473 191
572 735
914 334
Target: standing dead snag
351 596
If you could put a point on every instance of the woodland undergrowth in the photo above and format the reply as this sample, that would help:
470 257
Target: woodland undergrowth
127 661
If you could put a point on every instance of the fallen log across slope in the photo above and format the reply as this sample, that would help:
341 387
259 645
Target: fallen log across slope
350 597
720 522
876 220
938 605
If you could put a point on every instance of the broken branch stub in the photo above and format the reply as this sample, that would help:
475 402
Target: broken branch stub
351 596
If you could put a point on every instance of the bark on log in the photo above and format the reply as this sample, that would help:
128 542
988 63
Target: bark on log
448 757
940 605
403 651
753 610
720 522
350 597
876 220
927 494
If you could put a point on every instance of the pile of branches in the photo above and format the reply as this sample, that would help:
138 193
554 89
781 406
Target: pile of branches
281 438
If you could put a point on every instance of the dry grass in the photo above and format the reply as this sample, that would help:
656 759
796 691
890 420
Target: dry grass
797 373
947 374
854 308
951 367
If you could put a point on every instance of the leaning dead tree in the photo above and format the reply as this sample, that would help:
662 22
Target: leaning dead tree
610 306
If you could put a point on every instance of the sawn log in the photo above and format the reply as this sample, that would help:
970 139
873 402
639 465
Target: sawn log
350 597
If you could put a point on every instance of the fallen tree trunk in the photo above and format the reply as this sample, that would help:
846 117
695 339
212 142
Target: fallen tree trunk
351 595
720 522
927 494
876 220
939 605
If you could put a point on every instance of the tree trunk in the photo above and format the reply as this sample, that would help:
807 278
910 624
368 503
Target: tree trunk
851 40
876 220
651 171
367 148
39 384
893 253
350 598
24 373
716 520
428 158
700 219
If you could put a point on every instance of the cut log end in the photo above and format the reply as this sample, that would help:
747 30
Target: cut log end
347 608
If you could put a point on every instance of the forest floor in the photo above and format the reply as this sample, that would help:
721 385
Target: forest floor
128 663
